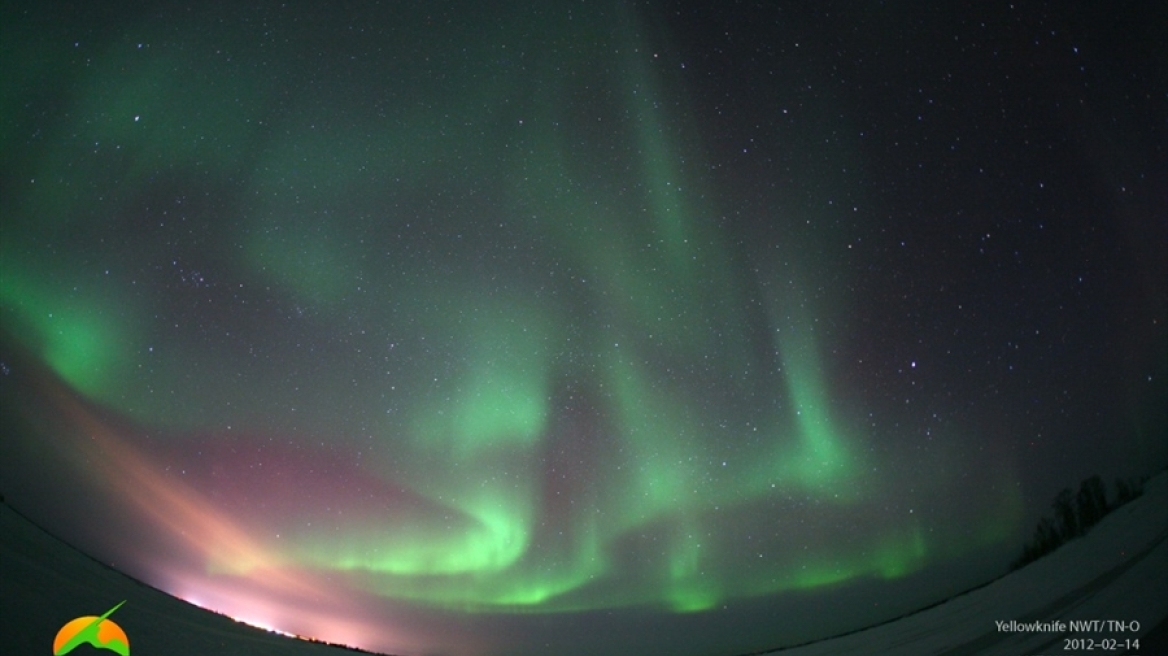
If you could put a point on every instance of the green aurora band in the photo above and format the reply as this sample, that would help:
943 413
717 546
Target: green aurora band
521 310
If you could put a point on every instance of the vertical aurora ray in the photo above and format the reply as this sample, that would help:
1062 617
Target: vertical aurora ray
657 334
503 328
822 460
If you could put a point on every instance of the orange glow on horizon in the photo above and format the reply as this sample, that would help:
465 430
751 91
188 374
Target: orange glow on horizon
240 577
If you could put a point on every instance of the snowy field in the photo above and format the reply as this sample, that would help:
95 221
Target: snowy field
1117 572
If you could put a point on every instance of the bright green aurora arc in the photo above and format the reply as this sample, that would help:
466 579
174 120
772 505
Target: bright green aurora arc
472 312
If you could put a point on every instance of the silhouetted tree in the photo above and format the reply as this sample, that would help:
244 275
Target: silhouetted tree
1091 502
1047 536
1046 539
1122 491
1075 514
1126 490
1064 512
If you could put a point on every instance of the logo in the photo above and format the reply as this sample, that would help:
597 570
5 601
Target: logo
97 631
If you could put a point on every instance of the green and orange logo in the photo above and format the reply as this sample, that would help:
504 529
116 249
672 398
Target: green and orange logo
97 631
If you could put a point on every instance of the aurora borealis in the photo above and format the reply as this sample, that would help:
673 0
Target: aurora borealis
462 328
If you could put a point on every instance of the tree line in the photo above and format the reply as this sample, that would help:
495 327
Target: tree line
1075 513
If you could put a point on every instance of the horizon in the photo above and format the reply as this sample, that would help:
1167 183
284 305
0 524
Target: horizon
469 330
1153 639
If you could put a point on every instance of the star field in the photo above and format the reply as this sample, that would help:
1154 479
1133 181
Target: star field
466 329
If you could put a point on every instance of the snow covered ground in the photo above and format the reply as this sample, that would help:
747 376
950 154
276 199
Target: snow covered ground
45 583
1117 572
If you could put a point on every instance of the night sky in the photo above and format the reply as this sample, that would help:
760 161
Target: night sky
576 327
